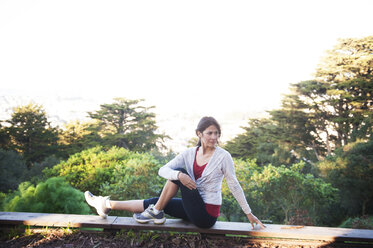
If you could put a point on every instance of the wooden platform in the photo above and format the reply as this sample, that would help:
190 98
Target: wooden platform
236 228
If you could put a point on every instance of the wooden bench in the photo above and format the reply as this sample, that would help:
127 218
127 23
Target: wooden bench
176 225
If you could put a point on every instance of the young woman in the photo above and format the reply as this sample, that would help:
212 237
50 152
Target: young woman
198 172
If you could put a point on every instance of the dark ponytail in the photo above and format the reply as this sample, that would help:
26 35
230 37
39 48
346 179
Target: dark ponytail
204 123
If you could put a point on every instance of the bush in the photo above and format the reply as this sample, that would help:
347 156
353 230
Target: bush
280 194
135 178
89 169
230 209
54 195
120 173
2 199
363 222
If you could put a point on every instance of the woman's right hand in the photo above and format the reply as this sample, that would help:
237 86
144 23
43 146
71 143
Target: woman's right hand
187 181
254 220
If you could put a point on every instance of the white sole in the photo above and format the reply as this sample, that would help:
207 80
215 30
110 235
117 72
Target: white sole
160 222
157 222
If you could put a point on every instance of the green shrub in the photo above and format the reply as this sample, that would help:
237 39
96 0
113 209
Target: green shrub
363 222
2 199
89 169
135 178
54 195
120 173
279 193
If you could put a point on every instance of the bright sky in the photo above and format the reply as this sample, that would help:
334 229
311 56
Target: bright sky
179 55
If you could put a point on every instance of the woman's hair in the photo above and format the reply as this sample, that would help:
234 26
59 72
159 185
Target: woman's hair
204 123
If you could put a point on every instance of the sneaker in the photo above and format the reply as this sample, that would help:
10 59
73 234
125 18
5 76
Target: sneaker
98 202
148 215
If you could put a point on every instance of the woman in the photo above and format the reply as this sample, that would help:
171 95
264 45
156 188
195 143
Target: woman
198 173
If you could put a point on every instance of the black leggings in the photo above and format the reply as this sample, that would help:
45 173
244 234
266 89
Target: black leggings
189 207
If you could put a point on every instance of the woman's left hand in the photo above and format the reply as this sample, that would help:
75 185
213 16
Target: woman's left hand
253 219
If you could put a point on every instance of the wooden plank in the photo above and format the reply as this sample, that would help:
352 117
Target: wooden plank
237 228
240 228
55 220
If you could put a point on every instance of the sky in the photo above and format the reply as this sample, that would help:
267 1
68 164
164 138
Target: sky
181 56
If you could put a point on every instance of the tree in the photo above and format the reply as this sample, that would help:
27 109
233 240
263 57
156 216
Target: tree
31 134
4 137
127 124
315 100
77 136
295 129
347 75
337 105
260 142
351 170
12 170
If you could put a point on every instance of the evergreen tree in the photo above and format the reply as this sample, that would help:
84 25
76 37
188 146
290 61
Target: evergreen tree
347 75
127 124
77 136
351 170
31 134
12 170
332 110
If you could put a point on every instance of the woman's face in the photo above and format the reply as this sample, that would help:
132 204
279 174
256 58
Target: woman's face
209 137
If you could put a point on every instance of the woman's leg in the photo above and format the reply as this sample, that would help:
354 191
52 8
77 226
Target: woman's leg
104 205
137 206
169 191
194 206
190 207
134 206
154 206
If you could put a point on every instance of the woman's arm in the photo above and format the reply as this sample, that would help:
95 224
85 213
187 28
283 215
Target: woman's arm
236 189
233 184
168 170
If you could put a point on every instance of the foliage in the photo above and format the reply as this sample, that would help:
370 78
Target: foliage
127 124
2 199
294 129
134 178
12 170
279 193
54 195
117 172
319 115
260 142
88 169
342 92
351 170
31 134
35 173
230 210
4 137
363 222
288 190
77 136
